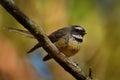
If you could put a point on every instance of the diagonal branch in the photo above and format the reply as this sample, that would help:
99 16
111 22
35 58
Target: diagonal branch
39 34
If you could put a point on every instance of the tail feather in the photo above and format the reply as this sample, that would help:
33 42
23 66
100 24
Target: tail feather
34 48
23 32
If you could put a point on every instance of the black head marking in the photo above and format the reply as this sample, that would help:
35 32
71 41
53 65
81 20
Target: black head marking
78 30
79 40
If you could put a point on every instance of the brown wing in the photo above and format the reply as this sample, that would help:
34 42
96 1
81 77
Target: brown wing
55 36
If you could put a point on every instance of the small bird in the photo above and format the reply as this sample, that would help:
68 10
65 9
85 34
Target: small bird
68 40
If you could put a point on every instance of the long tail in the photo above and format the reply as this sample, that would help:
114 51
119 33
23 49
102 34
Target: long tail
26 33
23 32
34 48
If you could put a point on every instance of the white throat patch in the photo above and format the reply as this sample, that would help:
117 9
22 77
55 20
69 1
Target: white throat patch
77 36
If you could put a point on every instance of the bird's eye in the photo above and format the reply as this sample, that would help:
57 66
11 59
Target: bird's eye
81 32
78 31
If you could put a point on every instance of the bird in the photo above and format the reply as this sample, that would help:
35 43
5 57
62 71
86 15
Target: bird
68 40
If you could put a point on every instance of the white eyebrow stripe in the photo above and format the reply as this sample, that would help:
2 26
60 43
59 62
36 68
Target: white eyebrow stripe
77 36
79 28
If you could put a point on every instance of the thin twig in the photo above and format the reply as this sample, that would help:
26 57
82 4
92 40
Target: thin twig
90 73
39 34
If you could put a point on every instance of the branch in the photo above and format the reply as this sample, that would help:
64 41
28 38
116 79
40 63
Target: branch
39 34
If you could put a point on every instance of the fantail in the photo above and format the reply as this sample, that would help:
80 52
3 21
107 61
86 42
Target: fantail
68 40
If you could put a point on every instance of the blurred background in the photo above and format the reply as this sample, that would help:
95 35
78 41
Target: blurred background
100 49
